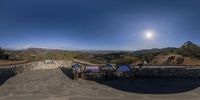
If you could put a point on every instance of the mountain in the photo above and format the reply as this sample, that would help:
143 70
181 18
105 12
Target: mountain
187 54
155 50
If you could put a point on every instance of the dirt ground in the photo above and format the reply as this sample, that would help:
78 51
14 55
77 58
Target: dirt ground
9 62
53 84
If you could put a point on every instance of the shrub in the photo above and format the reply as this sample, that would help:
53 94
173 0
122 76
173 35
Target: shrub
3 55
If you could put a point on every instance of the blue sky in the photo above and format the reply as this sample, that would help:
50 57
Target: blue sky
98 24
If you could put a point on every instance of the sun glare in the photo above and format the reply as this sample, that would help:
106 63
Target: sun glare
149 34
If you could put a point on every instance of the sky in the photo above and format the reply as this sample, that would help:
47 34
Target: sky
98 24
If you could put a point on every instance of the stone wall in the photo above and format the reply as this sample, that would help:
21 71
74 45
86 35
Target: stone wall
168 71
56 64
8 71
5 74
145 71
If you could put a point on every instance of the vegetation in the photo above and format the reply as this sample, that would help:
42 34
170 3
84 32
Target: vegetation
3 55
118 58
43 55
148 56
189 49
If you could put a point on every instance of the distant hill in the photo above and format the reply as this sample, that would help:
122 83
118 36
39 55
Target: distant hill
155 50
187 54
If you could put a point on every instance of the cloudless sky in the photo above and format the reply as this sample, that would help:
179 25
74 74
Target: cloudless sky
98 24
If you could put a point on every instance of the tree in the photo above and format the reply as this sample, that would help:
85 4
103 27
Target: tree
189 49
3 55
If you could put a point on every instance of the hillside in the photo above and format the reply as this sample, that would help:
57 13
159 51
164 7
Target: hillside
187 54
155 50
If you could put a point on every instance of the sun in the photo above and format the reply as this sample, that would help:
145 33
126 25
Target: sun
149 34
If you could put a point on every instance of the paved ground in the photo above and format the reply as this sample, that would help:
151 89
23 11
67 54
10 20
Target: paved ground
53 84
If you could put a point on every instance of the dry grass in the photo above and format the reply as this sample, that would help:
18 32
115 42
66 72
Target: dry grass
163 59
191 61
9 62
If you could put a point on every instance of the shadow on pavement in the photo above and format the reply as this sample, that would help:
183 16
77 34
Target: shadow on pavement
67 72
150 85
5 75
154 85
3 80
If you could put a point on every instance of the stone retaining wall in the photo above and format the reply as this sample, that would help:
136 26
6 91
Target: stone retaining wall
5 74
8 71
145 71
168 71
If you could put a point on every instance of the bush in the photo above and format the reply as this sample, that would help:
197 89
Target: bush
189 50
3 55
125 60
